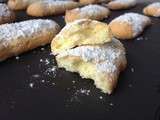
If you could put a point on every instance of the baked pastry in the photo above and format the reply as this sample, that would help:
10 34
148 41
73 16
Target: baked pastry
95 12
20 37
152 9
6 15
86 2
23 4
81 32
101 63
48 7
20 4
121 4
129 25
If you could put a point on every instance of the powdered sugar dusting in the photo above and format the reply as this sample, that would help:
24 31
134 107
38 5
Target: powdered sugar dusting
26 29
103 56
137 21
125 2
92 11
57 3
155 5
4 10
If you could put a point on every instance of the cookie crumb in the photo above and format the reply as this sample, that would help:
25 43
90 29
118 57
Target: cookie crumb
36 76
17 57
132 69
100 97
31 85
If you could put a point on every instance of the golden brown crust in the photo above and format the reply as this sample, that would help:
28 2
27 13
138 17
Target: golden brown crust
117 5
152 10
121 30
30 34
94 12
44 8
20 4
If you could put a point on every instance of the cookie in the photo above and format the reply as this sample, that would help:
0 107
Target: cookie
95 12
20 37
81 32
129 25
86 2
152 9
20 4
23 4
6 15
121 4
48 7
101 63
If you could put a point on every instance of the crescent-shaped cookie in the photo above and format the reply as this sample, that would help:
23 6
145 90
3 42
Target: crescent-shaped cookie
121 4
152 9
48 7
94 12
129 25
20 37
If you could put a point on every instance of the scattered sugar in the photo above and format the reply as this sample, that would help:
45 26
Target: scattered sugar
101 97
31 85
17 57
139 38
53 84
111 104
36 75
42 49
42 81
137 21
132 69
73 82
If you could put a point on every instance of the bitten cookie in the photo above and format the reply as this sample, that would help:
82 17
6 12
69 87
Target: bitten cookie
129 25
6 15
152 9
20 37
101 63
95 12
86 2
121 4
81 32
48 7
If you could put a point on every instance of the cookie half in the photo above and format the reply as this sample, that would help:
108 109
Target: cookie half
81 32
101 63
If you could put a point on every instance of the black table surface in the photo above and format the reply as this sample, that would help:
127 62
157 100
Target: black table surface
29 90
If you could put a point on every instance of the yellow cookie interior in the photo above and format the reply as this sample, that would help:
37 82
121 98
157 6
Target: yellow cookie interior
86 70
81 32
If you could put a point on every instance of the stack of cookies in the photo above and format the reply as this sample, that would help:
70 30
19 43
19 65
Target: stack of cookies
88 48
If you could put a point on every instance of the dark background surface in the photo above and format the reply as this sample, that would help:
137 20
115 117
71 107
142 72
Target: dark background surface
137 96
